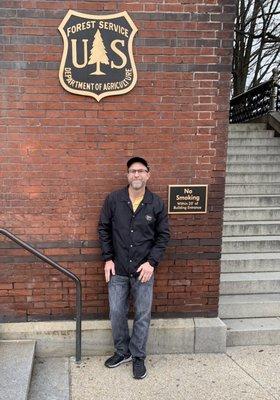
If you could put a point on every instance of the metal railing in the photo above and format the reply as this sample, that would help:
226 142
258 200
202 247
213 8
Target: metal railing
70 275
256 102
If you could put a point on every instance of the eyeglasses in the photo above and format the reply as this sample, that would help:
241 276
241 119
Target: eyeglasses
140 171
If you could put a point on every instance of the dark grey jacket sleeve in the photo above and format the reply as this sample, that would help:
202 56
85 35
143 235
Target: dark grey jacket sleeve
105 230
161 238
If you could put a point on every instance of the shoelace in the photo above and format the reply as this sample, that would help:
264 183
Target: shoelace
116 356
137 361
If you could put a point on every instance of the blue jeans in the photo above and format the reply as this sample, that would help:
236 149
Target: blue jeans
120 287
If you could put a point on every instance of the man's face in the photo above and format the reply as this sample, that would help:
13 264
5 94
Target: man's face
137 176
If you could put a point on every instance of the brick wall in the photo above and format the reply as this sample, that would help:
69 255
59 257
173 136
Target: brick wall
62 153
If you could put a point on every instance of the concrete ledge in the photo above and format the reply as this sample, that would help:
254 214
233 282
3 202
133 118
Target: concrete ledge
180 335
272 120
57 338
210 335
171 336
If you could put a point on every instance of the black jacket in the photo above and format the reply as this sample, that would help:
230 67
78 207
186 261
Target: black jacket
128 238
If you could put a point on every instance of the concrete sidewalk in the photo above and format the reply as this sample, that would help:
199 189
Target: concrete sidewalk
244 373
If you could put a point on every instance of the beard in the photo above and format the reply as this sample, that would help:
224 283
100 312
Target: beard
136 185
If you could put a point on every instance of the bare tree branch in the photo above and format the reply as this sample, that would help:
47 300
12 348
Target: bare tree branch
273 38
256 43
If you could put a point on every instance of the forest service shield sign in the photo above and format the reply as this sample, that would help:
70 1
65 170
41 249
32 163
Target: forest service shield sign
97 57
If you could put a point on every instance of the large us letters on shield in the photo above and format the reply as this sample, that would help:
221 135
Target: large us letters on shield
97 58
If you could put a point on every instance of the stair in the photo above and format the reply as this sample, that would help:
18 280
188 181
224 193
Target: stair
50 379
16 363
250 264
253 331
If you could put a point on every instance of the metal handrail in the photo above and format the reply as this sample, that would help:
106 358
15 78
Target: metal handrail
65 272
255 88
256 102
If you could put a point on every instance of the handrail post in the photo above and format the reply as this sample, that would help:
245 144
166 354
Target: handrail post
78 321
273 95
66 272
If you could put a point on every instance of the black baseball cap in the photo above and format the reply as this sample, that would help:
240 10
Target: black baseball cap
139 160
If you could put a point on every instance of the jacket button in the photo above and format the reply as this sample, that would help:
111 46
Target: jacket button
131 245
130 260
131 230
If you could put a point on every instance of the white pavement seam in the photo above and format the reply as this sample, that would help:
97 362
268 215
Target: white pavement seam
69 379
247 373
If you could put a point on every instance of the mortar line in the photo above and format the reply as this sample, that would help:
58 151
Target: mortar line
257 382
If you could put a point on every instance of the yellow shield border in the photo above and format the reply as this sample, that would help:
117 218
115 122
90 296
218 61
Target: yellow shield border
65 51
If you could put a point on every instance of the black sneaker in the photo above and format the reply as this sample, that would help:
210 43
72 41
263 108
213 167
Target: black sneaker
139 369
117 359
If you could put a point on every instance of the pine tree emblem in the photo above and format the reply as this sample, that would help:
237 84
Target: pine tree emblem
98 53
97 59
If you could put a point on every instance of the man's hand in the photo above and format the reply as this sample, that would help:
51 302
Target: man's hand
108 269
146 272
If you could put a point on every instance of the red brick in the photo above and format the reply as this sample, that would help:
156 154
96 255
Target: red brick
62 153
5 286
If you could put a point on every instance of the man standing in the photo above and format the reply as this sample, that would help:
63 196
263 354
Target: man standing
133 231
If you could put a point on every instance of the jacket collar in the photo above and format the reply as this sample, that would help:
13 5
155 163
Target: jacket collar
148 198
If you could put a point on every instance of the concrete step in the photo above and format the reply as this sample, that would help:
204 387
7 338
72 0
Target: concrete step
249 306
252 214
244 127
50 379
16 363
252 201
261 150
251 228
253 158
250 262
250 283
249 168
250 256
250 244
249 142
242 189
253 177
261 134
252 331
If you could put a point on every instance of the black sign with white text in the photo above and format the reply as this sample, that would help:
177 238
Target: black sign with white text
187 199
